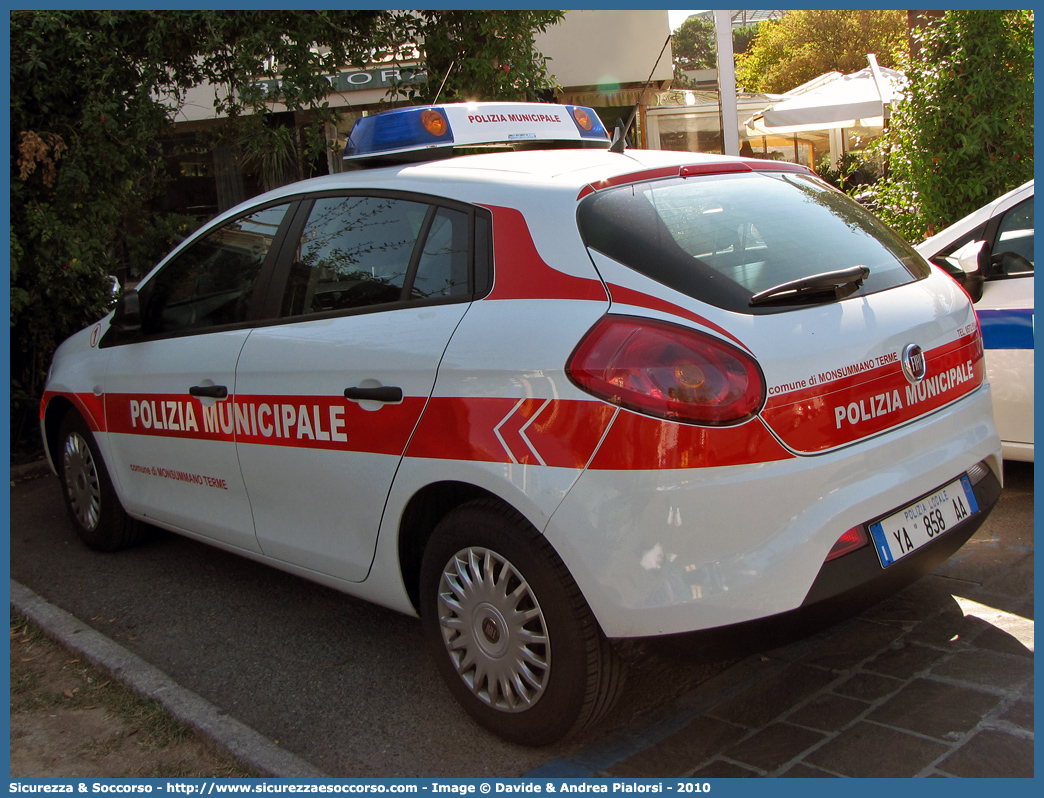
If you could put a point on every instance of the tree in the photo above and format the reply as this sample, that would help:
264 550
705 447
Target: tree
743 37
476 55
963 133
93 91
802 45
693 45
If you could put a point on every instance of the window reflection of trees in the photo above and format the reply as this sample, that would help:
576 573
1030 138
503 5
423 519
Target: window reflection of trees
443 268
342 234
356 251
881 248
762 237
213 281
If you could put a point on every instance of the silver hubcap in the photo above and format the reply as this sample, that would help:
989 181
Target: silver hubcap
494 630
81 481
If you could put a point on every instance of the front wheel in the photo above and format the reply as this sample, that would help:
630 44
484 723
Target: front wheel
89 496
509 629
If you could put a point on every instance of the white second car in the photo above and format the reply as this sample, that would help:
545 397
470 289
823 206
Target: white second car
999 240
545 398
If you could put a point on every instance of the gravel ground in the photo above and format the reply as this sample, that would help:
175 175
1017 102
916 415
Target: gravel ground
70 719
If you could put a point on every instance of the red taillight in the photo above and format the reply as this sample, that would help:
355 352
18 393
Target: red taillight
667 371
854 538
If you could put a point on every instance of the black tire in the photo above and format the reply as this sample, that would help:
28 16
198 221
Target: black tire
93 506
554 689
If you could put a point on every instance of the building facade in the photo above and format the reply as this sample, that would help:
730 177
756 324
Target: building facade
609 60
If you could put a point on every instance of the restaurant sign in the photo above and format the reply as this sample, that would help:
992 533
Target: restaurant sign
357 80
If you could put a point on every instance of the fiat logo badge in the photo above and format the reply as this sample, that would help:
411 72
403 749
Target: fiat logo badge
914 366
490 630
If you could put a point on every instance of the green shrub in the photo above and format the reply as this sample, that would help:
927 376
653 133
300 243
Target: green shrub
963 133
92 92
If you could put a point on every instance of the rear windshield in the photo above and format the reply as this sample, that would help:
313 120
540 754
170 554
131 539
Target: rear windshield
723 239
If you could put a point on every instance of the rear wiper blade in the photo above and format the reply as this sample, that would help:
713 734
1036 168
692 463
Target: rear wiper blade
831 285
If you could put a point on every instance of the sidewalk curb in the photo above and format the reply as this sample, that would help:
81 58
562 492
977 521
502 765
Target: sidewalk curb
241 741
39 468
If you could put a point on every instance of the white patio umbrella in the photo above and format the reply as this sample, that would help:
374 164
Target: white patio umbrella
832 101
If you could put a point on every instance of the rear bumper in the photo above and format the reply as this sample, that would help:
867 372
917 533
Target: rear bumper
843 588
857 580
663 552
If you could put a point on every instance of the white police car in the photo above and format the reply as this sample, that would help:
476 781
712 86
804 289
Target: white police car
996 242
545 398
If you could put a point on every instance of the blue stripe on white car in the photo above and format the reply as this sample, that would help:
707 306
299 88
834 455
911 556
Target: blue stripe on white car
1007 328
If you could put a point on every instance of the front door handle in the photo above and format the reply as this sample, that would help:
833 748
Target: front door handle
209 391
385 393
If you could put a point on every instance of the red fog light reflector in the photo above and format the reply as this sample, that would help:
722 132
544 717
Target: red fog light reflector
854 538
668 371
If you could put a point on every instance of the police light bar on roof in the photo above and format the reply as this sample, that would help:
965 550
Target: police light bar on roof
428 132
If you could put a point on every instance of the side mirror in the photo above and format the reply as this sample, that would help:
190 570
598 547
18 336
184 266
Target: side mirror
127 316
973 259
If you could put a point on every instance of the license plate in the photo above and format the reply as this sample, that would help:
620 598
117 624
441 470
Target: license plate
921 522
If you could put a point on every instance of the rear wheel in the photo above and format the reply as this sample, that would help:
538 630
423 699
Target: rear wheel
509 629
92 503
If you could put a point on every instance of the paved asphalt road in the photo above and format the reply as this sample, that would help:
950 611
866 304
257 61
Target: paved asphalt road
345 684
342 683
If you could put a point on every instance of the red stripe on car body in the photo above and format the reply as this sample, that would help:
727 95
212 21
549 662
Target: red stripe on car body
845 410
554 432
641 442
628 296
309 422
564 433
91 407
520 272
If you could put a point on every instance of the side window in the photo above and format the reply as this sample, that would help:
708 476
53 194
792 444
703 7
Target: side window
359 251
354 252
1013 248
212 282
443 267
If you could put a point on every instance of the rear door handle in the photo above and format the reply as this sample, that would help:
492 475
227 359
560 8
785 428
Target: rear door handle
385 393
209 391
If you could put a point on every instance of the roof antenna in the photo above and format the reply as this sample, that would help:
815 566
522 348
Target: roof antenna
620 134
439 92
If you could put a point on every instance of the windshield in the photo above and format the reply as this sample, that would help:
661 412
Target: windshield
723 239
